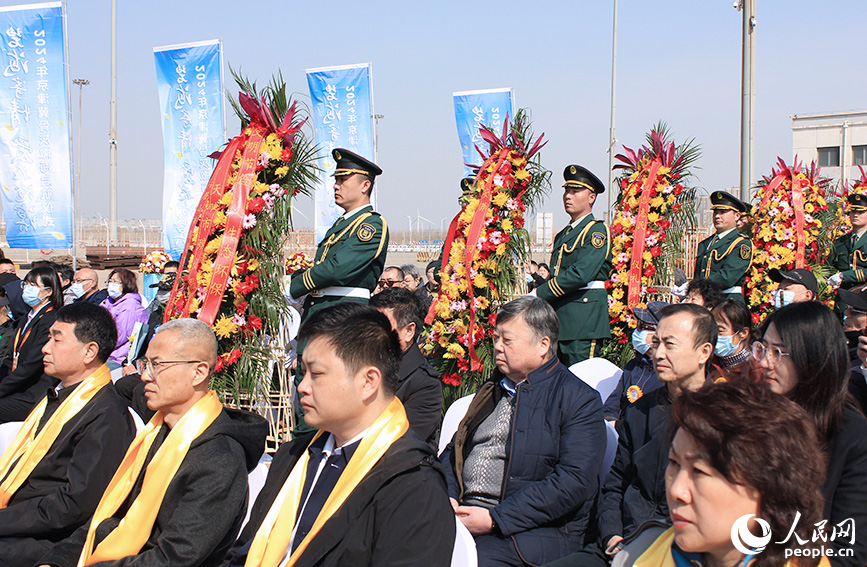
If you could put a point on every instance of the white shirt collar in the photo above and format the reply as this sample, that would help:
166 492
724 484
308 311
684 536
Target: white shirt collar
861 233
329 447
348 214
575 223
722 235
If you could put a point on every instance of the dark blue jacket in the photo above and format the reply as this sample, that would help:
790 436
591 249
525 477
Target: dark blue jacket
637 372
634 490
553 452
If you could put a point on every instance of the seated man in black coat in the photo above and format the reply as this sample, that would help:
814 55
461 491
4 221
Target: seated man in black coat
634 490
418 384
180 494
364 490
77 437
523 466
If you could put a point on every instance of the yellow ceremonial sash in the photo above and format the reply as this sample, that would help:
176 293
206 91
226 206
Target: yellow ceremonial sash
135 528
28 449
272 540
659 552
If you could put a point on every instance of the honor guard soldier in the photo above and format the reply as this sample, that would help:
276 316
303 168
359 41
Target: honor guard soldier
852 248
725 257
352 255
580 264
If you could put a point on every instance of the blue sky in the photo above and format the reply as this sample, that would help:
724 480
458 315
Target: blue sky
678 61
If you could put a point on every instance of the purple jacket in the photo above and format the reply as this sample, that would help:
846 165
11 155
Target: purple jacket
126 310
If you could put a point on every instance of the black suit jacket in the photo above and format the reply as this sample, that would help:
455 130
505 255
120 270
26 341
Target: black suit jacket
63 490
421 392
398 515
845 488
204 503
27 382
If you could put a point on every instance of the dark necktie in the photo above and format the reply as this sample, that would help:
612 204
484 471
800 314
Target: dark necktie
334 466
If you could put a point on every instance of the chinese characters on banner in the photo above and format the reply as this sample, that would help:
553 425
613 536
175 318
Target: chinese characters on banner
478 108
34 127
342 118
190 83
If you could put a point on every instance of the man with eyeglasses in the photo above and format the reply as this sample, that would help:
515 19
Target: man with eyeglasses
180 494
85 286
353 251
53 473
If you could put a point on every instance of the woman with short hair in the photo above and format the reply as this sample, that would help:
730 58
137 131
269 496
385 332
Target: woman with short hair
743 460
125 305
23 382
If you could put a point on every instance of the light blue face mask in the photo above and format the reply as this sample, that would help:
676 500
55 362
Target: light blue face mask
641 340
724 346
30 295
783 297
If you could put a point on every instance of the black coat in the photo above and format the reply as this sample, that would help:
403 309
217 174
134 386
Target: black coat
62 491
398 515
634 490
637 372
845 488
858 387
420 391
27 384
204 504
553 455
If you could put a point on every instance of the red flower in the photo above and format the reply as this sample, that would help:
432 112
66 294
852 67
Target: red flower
233 356
286 154
492 319
242 307
255 205
219 366
452 379
254 322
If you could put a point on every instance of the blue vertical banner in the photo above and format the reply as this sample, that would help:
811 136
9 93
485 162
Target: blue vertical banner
35 171
190 83
477 108
342 111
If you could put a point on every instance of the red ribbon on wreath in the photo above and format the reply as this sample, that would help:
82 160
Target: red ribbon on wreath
636 266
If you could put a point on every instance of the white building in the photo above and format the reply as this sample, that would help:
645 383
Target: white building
836 140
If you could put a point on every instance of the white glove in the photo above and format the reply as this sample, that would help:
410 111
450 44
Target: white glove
532 294
679 290
835 280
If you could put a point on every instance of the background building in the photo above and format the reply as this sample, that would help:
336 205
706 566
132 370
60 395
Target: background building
836 140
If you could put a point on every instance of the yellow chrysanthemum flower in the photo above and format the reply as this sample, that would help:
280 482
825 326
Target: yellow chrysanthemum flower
500 199
224 327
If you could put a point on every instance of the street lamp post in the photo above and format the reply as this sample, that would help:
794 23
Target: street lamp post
77 234
748 97
611 129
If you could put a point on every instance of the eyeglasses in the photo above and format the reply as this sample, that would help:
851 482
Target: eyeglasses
389 283
153 368
761 351
82 280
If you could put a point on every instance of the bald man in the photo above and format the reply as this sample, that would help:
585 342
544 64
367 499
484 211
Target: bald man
85 287
188 467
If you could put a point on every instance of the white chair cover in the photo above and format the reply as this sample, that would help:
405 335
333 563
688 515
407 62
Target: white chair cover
452 419
599 374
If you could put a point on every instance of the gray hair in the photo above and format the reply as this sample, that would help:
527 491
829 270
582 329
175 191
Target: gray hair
411 269
537 314
196 333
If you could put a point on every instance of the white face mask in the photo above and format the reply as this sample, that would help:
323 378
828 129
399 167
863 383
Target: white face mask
115 290
783 297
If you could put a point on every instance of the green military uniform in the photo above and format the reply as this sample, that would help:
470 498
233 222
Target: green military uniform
851 250
352 255
580 265
725 260
348 261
